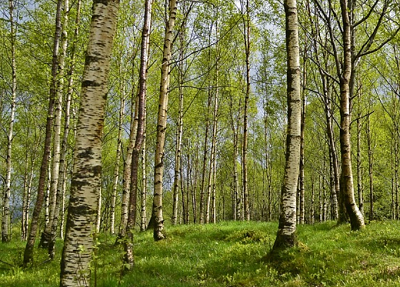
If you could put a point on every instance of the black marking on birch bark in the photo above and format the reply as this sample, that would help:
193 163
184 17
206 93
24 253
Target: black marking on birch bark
88 83
104 2
97 170
85 153
79 183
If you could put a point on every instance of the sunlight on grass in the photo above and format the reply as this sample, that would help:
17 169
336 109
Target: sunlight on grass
231 254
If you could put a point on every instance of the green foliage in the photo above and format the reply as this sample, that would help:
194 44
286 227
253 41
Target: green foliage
232 254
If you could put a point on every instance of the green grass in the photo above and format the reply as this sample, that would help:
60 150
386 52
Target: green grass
232 254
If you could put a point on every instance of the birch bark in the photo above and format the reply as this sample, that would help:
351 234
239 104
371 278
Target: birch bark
286 236
86 177
162 124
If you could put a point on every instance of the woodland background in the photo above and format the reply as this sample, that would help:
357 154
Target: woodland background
213 52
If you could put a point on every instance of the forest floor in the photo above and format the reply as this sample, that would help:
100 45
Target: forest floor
231 254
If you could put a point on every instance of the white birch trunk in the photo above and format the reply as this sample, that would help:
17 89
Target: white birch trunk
86 178
286 236
162 124
6 217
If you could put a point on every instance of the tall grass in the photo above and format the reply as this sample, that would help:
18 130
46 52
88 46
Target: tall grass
231 254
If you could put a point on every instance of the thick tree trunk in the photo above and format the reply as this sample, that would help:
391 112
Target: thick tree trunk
286 236
28 254
6 218
86 178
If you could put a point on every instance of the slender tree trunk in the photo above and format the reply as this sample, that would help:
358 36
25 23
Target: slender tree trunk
184 196
189 187
246 34
126 186
392 181
117 163
99 207
195 183
212 159
64 145
6 218
86 178
396 178
346 178
359 171
29 173
320 199
371 169
203 193
28 254
236 196
177 173
203 178
312 205
324 204
66 173
213 197
212 171
162 123
301 177
47 197
215 128
62 216
179 129
55 171
286 236
144 59
143 214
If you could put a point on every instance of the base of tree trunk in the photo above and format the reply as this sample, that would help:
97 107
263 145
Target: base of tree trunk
283 242
44 240
152 223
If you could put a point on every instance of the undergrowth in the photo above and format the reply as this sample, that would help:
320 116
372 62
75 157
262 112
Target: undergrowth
231 254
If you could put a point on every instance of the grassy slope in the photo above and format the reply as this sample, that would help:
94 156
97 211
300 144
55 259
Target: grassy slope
233 254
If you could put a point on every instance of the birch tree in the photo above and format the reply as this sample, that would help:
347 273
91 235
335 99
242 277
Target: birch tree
28 254
55 171
6 218
162 123
86 177
286 236
144 59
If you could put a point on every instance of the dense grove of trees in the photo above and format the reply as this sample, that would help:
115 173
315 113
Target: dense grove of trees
195 119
